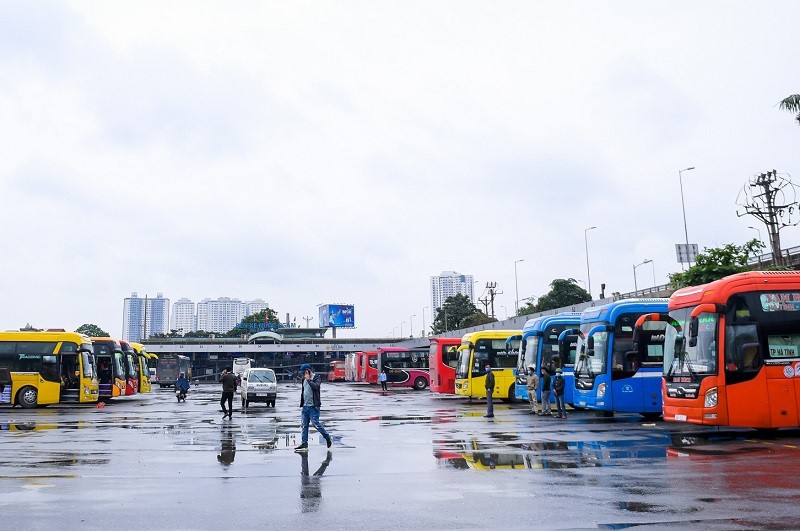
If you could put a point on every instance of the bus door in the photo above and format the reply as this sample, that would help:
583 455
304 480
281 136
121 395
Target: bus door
645 361
627 387
70 372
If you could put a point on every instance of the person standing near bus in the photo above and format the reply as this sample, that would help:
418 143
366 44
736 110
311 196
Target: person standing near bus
489 391
532 383
382 377
558 391
311 402
228 381
545 384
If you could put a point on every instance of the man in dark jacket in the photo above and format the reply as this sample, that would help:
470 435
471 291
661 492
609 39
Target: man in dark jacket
558 389
311 402
228 381
489 391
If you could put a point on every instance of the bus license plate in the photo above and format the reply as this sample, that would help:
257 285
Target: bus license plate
680 418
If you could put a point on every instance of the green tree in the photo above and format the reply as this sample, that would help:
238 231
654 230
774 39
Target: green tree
717 262
792 105
458 312
563 292
92 330
198 334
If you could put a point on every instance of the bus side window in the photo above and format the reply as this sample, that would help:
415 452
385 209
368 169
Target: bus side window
742 349
50 368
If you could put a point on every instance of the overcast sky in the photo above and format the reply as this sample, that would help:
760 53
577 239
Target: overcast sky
344 152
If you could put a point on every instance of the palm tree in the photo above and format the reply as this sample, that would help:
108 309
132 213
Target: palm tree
791 104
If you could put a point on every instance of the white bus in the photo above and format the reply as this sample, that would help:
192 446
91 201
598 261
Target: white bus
240 366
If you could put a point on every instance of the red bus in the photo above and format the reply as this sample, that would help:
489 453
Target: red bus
732 352
336 371
369 367
443 361
406 368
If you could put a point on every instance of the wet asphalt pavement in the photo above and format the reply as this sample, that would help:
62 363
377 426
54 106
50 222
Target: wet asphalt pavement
403 459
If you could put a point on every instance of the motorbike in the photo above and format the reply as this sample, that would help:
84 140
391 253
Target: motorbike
180 394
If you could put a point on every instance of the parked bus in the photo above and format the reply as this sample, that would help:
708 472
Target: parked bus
111 367
41 368
354 359
478 348
131 366
612 375
240 366
443 359
369 367
540 347
732 352
170 366
144 367
404 367
336 372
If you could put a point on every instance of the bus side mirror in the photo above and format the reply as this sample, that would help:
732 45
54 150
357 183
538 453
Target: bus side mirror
694 326
680 340
590 344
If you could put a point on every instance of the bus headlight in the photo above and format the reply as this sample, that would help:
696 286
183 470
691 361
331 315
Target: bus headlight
465 385
601 390
711 398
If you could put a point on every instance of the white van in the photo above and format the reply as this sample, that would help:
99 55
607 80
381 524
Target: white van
259 385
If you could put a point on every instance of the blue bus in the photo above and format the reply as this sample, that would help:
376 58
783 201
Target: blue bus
540 347
612 374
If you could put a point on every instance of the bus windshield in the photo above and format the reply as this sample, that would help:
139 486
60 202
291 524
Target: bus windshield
531 351
681 359
119 364
463 362
592 362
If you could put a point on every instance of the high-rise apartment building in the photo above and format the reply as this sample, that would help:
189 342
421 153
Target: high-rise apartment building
446 285
183 318
223 314
143 317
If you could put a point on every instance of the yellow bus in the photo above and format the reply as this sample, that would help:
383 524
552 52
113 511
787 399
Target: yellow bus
478 348
111 368
40 368
144 367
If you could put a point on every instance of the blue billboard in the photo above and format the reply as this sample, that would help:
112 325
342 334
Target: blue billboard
337 316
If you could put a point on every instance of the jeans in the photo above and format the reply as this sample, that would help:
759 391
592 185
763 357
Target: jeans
562 409
489 404
546 402
311 414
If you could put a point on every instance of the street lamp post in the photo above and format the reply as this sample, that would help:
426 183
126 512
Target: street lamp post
424 332
401 328
516 286
586 242
635 285
652 263
412 324
683 207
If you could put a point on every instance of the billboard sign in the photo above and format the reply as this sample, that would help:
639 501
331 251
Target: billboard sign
337 316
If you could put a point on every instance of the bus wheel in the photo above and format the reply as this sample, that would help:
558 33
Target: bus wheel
420 383
651 416
27 397
512 396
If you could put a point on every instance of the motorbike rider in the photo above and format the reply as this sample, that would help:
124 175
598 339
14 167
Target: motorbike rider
182 385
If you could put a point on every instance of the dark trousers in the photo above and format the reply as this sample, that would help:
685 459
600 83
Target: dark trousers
383 385
227 396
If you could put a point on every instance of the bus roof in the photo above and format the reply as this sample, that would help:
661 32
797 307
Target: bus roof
392 349
489 334
540 323
609 312
445 340
30 335
720 290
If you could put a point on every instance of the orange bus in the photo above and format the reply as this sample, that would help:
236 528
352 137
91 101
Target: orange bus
443 359
131 363
732 354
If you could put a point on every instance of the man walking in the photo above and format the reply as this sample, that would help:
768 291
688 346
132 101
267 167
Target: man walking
311 402
489 390
228 381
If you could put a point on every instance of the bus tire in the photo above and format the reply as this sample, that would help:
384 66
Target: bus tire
512 395
651 416
420 383
28 397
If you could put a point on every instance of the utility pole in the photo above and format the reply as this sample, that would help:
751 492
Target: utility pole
770 199
485 302
491 287
307 320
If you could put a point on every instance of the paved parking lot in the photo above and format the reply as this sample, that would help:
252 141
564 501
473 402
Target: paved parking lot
400 460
